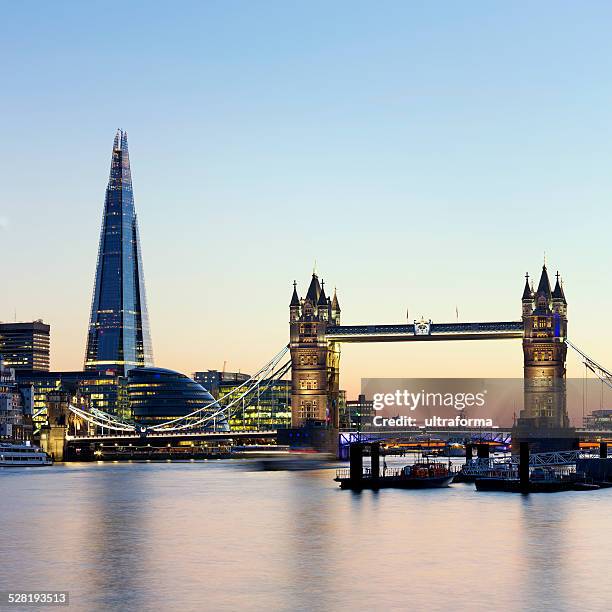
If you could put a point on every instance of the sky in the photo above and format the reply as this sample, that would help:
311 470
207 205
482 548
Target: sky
425 155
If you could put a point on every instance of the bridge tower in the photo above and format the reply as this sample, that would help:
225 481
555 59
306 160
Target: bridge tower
544 417
315 362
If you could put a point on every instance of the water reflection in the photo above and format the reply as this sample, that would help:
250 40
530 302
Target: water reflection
207 536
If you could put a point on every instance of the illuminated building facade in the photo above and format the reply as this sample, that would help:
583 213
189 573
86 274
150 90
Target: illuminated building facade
356 414
25 346
118 336
213 380
16 407
157 395
267 409
102 390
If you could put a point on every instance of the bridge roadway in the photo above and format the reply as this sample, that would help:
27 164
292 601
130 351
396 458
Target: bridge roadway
425 332
498 434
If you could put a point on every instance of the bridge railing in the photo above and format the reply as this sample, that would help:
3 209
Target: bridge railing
482 467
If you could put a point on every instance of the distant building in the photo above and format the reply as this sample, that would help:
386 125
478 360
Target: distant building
266 409
16 407
146 395
105 391
118 336
25 346
157 395
212 380
599 420
358 413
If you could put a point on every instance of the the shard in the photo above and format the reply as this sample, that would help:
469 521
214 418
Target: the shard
118 337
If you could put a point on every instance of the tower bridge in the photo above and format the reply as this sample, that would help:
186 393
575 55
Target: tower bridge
316 335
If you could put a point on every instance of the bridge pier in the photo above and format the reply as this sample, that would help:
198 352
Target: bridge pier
524 467
483 451
356 462
53 434
469 452
375 459
53 441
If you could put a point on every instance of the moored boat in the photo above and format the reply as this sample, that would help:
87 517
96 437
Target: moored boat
421 475
541 480
22 455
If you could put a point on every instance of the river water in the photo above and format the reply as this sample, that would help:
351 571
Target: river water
217 536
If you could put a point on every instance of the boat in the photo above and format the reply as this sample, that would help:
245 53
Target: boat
295 462
541 480
22 455
421 475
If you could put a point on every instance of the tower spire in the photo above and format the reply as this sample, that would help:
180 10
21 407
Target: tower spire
527 293
314 289
335 303
544 284
295 300
558 293
322 297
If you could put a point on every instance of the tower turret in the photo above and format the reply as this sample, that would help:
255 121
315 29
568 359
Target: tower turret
322 305
543 294
335 309
294 306
314 289
559 304
527 298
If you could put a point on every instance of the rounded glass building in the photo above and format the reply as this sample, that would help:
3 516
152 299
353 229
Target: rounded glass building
157 395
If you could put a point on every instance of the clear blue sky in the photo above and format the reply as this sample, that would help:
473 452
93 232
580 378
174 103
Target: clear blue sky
425 154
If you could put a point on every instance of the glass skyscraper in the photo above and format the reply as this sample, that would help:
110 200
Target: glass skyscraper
118 337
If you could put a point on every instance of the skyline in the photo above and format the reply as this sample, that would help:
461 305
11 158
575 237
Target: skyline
314 141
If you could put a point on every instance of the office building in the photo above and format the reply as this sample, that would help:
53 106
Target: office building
25 346
118 337
16 407
266 409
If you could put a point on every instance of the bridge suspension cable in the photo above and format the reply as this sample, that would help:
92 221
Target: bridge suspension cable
105 422
261 381
225 410
252 382
604 375
270 373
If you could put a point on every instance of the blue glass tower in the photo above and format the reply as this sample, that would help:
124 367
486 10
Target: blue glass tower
118 337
